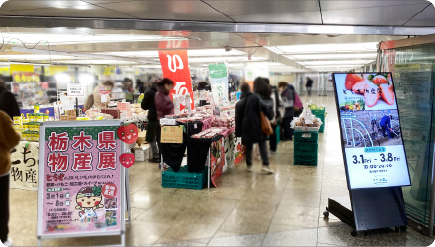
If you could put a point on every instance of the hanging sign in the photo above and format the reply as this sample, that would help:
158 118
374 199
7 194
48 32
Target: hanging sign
219 83
81 190
75 90
128 133
371 135
175 66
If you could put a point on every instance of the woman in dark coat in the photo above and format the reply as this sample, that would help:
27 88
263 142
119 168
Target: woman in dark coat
149 105
248 125
288 98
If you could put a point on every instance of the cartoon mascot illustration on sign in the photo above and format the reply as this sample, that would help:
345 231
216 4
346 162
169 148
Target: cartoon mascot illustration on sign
88 200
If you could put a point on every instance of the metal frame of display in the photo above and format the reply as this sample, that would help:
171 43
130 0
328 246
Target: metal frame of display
123 188
371 208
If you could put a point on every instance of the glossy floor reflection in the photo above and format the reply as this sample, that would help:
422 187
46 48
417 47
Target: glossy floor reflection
248 209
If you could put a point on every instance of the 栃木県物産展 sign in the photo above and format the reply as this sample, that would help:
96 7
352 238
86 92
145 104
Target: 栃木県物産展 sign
80 179
372 143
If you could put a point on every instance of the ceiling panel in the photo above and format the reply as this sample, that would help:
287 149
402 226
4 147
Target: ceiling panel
391 15
13 5
357 4
425 18
249 7
168 10
90 11
298 17
429 22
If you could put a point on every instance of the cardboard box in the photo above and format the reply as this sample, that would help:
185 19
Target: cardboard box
141 153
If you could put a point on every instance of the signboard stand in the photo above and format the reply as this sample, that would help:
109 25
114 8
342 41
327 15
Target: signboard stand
370 209
374 158
82 190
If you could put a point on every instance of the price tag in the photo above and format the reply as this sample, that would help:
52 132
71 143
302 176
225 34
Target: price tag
195 126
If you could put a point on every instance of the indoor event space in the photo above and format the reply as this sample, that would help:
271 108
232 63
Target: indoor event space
217 123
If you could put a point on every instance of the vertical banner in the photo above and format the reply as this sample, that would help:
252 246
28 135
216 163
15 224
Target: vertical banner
175 66
81 184
373 150
217 160
219 84
25 160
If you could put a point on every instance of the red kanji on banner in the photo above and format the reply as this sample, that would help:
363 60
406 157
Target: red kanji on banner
109 190
82 141
58 142
106 140
58 162
82 162
106 160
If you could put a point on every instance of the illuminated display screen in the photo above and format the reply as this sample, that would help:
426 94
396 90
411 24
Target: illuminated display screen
372 143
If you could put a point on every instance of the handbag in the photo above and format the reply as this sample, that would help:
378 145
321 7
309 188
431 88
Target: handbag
265 125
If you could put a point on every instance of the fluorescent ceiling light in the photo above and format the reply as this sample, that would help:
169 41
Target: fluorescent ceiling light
148 66
103 62
323 48
34 57
190 53
60 39
335 66
331 56
335 62
224 59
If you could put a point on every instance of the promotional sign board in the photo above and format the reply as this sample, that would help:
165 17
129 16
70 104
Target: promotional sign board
24 171
81 189
371 135
219 82
75 90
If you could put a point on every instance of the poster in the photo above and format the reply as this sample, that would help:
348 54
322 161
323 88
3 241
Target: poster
24 170
370 130
229 149
219 84
172 134
239 150
217 160
81 179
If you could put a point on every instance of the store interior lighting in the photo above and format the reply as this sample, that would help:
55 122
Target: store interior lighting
94 62
190 53
323 48
332 56
60 39
336 62
62 78
32 57
86 79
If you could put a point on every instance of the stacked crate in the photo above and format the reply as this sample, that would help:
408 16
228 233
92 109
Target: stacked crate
184 179
320 114
305 148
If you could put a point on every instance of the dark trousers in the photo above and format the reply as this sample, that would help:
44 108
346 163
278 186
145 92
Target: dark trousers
309 90
288 132
272 139
4 208
263 152
386 129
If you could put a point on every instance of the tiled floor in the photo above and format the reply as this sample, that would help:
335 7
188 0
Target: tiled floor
248 209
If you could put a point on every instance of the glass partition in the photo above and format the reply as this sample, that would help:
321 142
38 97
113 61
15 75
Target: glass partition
414 77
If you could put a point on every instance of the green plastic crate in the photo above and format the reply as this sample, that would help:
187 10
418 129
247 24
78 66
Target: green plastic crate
320 114
184 179
305 160
305 148
309 137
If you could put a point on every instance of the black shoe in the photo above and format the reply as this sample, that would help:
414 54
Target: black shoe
154 160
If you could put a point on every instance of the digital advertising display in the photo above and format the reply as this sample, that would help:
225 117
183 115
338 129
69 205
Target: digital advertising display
371 136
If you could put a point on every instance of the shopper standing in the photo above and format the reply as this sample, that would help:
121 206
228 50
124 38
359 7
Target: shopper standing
262 88
164 104
248 125
278 109
9 138
149 104
102 101
288 96
8 103
309 85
